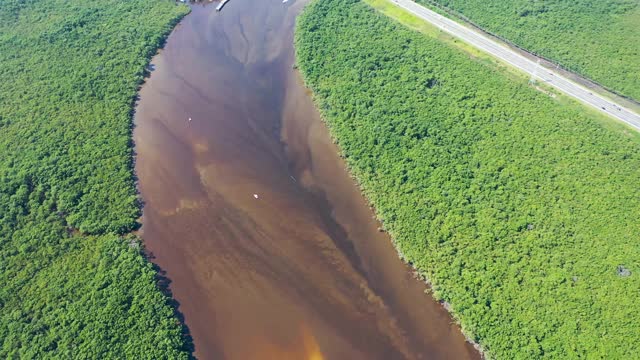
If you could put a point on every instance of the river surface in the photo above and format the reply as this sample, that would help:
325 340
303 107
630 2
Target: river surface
271 250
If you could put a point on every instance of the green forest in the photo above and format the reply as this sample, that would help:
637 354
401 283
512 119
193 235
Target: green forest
73 283
521 209
599 39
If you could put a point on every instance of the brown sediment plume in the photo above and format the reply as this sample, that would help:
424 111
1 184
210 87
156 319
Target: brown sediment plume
271 250
304 348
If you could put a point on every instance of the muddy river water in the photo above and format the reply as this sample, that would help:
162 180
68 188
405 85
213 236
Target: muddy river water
271 250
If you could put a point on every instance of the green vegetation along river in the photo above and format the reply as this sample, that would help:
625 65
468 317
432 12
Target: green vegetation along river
599 39
72 283
521 208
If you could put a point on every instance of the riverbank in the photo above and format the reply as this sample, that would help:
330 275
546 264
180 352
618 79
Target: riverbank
73 282
471 174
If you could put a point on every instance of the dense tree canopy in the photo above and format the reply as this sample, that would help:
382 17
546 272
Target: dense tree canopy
72 284
597 38
522 210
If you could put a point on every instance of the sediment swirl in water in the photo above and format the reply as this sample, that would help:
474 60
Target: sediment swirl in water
271 250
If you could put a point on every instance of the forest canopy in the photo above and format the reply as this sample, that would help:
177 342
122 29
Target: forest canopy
520 208
599 39
73 284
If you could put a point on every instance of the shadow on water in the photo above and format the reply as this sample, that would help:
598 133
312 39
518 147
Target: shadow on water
164 284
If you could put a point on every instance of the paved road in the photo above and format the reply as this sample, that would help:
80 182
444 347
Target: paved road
550 77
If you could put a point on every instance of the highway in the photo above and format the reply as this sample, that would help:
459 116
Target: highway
490 46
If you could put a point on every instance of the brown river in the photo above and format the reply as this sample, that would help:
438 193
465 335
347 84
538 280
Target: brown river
271 250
